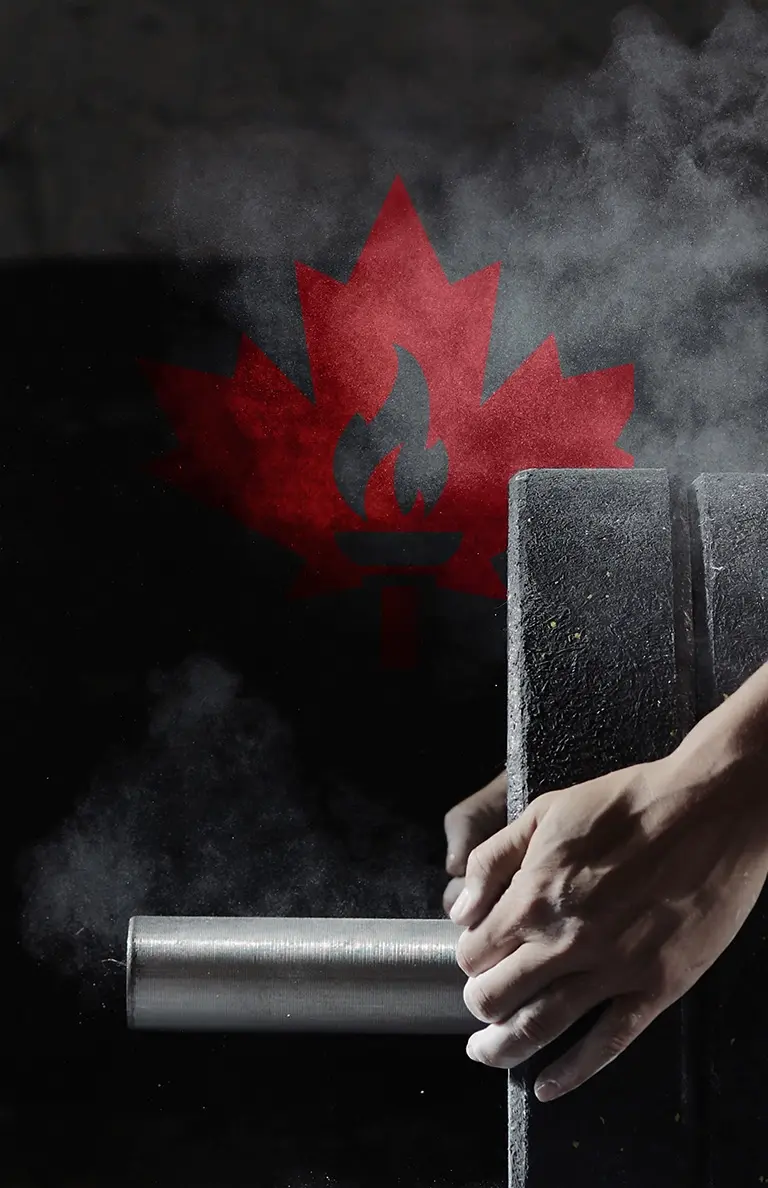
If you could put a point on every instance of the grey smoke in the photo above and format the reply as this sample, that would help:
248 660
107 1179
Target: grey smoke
216 816
629 214
630 219
643 234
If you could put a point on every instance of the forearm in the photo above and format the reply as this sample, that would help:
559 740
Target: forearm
729 746
741 721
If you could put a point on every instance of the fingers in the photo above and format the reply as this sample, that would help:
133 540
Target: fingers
535 1024
491 866
472 821
451 894
622 1022
498 993
509 923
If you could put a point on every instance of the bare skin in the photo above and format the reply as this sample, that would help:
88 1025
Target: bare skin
624 890
468 824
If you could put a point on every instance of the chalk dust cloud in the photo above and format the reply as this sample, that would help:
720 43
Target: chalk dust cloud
215 816
628 210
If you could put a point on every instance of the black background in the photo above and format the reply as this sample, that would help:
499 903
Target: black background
108 576
114 576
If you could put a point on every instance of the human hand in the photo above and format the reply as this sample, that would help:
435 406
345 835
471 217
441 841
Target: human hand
623 890
468 824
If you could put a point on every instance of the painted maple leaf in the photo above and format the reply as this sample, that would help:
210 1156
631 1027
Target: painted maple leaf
257 447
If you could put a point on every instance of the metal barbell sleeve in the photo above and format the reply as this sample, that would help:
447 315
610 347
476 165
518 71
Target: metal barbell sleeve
203 973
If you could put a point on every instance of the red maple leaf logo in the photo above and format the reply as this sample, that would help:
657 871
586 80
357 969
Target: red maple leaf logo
290 468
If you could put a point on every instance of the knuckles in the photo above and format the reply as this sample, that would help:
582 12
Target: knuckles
479 867
538 911
489 1060
530 1029
469 961
451 893
478 949
455 816
480 1003
615 1044
567 938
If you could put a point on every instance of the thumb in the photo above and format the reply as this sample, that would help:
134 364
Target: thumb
492 865
473 820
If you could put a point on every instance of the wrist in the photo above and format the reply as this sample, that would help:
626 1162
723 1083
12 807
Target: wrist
720 744
726 753
741 721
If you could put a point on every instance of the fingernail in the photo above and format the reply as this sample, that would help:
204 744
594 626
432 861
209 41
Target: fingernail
546 1090
471 1048
463 906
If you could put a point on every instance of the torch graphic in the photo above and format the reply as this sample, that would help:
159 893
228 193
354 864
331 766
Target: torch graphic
394 473
404 557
